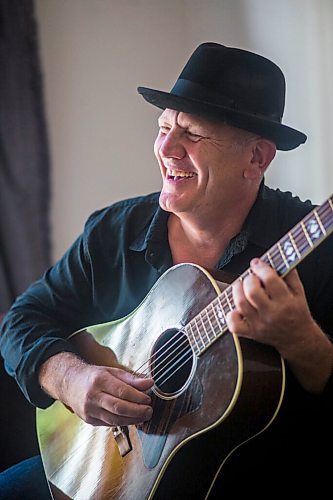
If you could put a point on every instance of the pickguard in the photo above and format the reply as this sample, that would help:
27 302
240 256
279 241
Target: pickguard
153 434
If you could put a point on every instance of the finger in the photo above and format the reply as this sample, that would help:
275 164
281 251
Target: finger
255 294
122 386
122 408
270 280
241 302
96 422
237 323
108 419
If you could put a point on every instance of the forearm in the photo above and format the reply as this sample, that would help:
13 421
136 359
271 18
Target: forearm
99 395
39 323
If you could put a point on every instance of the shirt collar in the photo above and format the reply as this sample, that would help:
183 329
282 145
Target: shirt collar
261 228
156 231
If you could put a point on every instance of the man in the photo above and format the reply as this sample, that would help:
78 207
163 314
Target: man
218 133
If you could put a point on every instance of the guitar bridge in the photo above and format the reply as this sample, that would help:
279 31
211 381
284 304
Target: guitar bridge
121 436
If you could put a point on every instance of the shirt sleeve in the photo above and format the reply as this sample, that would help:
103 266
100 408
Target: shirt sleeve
38 324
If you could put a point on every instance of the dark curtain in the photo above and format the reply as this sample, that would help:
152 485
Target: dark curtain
24 200
24 162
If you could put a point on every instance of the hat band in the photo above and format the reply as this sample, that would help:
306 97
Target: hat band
191 90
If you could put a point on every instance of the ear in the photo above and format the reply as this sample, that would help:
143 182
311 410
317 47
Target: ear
262 153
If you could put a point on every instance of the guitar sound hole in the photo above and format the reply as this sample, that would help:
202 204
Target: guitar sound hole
172 362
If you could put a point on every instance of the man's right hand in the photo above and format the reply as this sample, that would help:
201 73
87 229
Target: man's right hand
100 395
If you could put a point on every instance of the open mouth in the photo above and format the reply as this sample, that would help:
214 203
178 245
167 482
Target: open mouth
175 175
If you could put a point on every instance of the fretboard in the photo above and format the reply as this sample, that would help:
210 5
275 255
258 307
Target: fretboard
287 253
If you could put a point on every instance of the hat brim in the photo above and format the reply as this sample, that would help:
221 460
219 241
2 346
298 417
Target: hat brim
285 138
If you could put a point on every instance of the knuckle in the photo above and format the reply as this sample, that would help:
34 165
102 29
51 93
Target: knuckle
121 392
87 404
96 379
116 407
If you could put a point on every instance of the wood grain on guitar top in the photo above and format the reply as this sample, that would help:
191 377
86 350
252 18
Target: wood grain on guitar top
202 411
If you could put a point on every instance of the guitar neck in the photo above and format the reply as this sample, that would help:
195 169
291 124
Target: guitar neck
205 328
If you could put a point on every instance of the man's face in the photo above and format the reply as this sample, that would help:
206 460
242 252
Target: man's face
201 163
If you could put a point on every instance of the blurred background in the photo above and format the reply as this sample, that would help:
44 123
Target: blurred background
94 53
75 135
84 136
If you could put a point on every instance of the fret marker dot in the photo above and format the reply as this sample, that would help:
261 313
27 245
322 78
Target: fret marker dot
221 316
313 228
289 251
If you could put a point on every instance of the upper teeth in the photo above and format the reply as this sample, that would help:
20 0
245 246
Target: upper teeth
180 173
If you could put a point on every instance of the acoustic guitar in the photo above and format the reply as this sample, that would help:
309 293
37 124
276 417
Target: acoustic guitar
212 392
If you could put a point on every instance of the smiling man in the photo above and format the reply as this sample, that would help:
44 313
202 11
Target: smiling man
219 129
206 171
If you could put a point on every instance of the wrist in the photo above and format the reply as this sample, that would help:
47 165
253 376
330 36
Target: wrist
55 374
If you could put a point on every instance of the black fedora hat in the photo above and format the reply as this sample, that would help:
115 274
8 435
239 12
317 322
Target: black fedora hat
235 86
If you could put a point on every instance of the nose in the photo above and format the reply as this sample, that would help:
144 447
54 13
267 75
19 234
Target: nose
171 145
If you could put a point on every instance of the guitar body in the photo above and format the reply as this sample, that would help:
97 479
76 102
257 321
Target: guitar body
202 413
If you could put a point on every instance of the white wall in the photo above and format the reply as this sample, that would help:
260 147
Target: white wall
96 52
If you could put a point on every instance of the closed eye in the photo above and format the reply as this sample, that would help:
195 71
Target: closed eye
193 137
164 130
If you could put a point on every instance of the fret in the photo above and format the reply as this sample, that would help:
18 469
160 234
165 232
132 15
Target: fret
323 230
220 312
283 255
204 327
194 336
291 255
198 330
325 215
228 300
293 242
214 311
277 259
331 203
306 234
270 259
201 343
210 323
313 229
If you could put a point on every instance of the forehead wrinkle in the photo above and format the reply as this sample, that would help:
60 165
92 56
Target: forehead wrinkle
185 120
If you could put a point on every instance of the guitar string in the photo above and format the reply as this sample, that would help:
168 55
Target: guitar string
203 321
276 253
176 366
184 362
296 237
298 234
141 370
162 365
